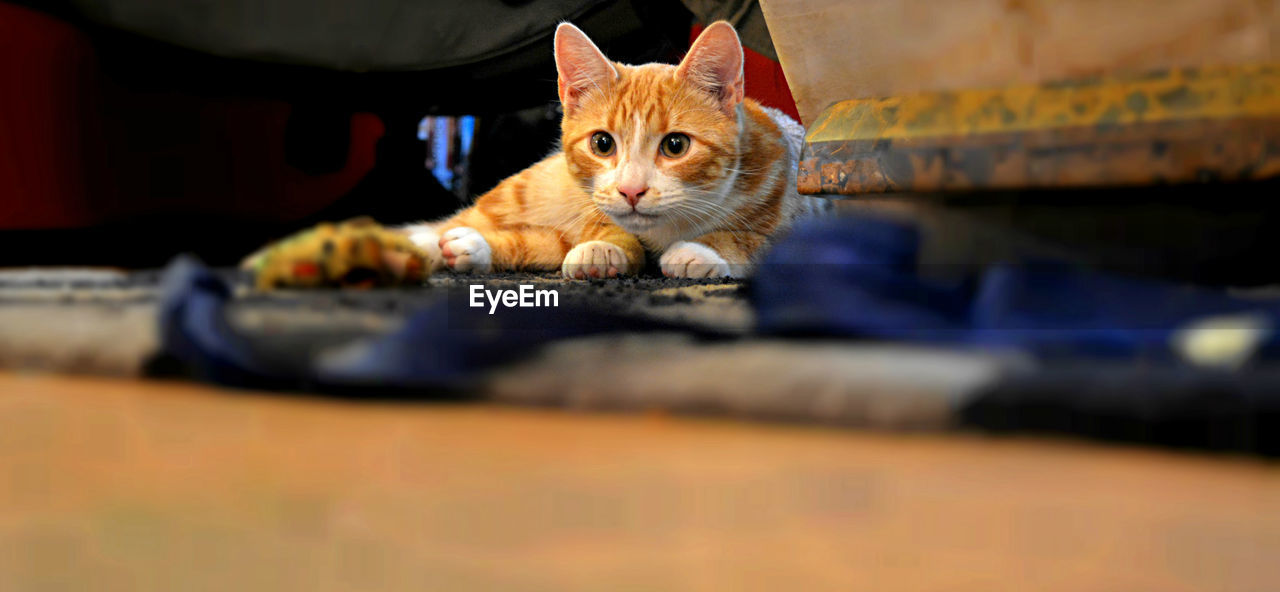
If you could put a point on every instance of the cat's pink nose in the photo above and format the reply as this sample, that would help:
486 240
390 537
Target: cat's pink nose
633 193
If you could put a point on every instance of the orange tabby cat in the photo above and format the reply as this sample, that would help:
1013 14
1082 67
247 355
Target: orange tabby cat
667 159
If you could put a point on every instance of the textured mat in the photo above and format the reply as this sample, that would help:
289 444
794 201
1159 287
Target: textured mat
105 322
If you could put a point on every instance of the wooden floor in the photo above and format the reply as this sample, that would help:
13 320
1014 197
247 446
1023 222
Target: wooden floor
118 485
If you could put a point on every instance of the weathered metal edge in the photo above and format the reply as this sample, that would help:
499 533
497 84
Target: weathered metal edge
1132 154
1183 94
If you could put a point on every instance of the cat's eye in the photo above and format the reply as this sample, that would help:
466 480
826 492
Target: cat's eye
673 145
602 144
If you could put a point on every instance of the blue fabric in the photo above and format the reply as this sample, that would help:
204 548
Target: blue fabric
440 348
194 329
855 278
860 277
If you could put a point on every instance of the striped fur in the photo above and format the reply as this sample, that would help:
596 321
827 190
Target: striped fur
705 212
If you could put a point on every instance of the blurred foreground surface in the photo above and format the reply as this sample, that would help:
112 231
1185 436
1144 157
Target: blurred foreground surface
128 485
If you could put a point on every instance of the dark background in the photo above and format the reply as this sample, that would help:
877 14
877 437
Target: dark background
149 114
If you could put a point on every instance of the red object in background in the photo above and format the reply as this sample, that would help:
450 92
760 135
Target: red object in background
764 79
44 176
78 150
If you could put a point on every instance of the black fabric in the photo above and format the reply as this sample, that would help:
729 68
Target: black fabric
1147 403
351 35
491 70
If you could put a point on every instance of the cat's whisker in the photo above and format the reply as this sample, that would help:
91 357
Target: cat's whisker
750 172
711 208
708 214
737 235
586 217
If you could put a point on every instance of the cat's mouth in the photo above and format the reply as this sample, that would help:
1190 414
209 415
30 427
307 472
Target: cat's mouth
635 219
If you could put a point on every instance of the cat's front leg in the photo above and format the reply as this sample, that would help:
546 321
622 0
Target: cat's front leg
712 255
684 259
605 251
464 249
596 259
427 239
460 248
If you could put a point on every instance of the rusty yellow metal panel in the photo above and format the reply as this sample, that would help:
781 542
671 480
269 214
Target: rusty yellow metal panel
1163 127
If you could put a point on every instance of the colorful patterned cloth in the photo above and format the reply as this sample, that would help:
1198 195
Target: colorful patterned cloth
357 253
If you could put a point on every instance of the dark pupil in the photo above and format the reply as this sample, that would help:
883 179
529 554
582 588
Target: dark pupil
675 144
604 143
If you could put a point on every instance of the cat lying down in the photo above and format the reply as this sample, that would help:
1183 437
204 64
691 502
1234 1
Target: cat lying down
656 159
661 159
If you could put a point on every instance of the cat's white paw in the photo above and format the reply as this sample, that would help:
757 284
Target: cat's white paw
465 250
595 259
685 259
426 238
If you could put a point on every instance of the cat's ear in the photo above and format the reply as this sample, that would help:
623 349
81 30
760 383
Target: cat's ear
714 63
581 66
